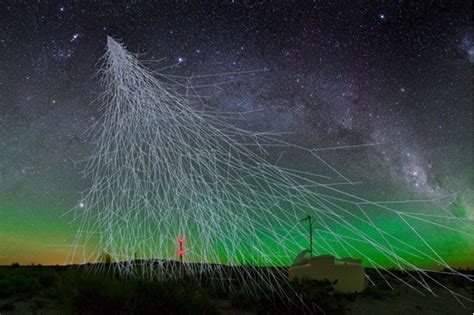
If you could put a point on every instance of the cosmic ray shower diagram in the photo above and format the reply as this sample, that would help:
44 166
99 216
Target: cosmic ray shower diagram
167 167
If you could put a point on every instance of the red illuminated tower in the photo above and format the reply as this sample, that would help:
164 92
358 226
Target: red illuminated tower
181 254
181 249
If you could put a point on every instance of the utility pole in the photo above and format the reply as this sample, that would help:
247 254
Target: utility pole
309 218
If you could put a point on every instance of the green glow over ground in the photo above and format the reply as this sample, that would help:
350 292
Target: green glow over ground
46 240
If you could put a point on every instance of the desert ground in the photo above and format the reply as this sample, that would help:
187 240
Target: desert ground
38 289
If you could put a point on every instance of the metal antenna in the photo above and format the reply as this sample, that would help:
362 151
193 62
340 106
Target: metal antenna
309 218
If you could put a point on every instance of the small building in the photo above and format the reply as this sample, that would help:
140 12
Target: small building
348 272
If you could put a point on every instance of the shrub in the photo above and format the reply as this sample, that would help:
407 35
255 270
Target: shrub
373 292
47 280
18 284
296 297
7 307
38 304
5 289
99 293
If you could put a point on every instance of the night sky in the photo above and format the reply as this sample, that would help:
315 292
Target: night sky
326 74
